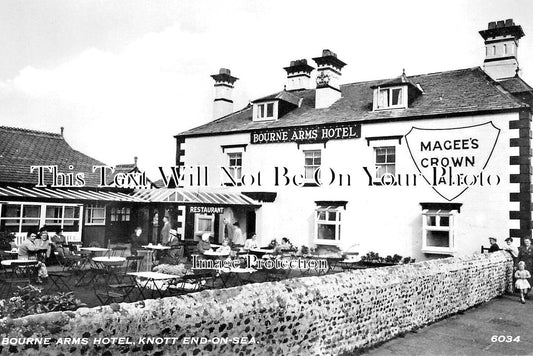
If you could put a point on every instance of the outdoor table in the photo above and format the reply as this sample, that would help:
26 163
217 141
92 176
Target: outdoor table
109 264
259 252
157 247
94 249
20 267
236 272
152 278
215 254
89 253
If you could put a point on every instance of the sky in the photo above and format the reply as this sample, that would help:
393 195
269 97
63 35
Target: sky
124 76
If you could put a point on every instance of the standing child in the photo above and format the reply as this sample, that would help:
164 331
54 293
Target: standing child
522 284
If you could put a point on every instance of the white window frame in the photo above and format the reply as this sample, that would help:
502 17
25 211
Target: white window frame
312 151
451 229
20 227
402 104
260 111
197 218
387 164
235 170
89 215
123 211
337 210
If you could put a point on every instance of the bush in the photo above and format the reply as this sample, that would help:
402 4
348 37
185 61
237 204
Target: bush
374 257
5 241
30 300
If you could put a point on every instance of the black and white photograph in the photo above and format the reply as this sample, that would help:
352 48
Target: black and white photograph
251 177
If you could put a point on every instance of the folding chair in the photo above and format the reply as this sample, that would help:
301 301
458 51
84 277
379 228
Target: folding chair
118 251
106 296
127 283
59 280
189 283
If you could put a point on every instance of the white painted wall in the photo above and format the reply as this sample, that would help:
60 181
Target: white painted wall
377 218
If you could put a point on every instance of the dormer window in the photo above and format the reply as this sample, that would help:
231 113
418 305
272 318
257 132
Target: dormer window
274 106
265 111
390 98
397 93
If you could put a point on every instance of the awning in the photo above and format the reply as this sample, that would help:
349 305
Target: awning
156 195
34 193
190 196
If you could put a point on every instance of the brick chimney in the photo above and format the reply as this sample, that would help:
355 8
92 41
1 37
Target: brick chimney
223 103
298 75
501 46
328 78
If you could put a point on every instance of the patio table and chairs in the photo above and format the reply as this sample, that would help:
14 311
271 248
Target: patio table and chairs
216 255
155 282
236 273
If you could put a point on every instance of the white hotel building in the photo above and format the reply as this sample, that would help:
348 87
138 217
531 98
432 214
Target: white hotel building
425 165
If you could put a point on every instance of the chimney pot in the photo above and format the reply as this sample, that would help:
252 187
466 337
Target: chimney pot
62 130
223 104
135 161
298 75
501 44
327 52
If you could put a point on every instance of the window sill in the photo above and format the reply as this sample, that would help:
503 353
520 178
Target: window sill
311 184
439 251
326 242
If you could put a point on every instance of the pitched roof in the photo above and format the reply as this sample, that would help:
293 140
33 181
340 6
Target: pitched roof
464 91
515 85
21 148
282 95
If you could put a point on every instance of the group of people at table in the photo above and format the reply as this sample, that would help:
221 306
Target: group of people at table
38 246
233 238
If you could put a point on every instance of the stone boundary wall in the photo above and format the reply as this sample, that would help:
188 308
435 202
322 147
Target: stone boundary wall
325 315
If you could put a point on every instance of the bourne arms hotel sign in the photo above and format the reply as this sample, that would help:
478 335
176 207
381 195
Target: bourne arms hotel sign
306 134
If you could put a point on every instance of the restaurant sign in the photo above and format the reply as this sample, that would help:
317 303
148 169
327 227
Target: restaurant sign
206 209
306 134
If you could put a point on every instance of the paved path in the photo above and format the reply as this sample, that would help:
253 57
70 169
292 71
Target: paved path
470 333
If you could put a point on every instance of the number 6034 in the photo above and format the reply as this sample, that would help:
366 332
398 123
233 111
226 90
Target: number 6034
504 338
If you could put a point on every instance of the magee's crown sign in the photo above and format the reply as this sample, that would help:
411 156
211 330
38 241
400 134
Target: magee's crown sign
453 159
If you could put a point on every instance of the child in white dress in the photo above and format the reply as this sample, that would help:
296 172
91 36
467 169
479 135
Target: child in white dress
521 283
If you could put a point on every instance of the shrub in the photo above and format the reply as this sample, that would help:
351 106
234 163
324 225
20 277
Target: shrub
5 241
30 300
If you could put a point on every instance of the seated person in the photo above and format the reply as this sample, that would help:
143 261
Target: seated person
58 242
225 249
251 243
137 240
43 243
28 251
204 244
174 242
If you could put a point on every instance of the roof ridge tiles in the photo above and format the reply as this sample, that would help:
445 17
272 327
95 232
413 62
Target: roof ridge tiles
32 132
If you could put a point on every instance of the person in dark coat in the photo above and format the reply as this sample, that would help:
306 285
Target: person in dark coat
525 253
493 245
137 240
